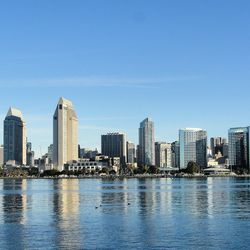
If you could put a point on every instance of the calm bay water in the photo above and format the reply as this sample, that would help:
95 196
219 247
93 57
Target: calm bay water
212 213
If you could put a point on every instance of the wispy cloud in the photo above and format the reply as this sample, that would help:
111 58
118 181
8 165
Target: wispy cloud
100 128
106 118
94 81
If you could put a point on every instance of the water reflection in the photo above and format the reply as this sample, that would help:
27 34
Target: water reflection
123 214
66 213
14 205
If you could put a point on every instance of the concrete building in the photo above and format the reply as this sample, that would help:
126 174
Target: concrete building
87 165
65 134
146 147
238 147
30 155
1 155
193 147
15 137
163 155
114 145
176 154
50 153
131 154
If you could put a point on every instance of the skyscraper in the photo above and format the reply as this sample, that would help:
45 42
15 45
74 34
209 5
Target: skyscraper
238 147
1 155
15 137
146 143
193 147
30 155
65 134
163 155
130 152
114 145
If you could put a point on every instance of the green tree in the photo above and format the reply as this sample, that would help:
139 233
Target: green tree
192 168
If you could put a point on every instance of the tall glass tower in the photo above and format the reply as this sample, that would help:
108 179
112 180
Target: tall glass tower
15 137
146 147
65 134
238 147
193 147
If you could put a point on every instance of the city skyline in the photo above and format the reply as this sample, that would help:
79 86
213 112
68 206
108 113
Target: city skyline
111 131
183 65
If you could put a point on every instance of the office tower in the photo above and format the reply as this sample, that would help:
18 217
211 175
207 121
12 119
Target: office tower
163 155
114 145
15 137
176 154
1 155
30 155
50 153
238 147
131 152
212 146
146 143
65 134
193 147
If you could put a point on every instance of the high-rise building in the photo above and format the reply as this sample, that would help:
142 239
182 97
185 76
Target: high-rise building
15 137
65 134
114 145
176 154
216 145
50 153
131 152
146 143
238 147
193 147
1 155
30 155
163 155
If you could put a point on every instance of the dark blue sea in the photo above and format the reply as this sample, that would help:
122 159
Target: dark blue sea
212 213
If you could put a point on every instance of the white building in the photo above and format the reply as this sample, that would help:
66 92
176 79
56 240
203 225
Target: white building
87 165
193 147
65 134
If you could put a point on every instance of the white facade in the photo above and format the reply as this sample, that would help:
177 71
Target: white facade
65 134
87 165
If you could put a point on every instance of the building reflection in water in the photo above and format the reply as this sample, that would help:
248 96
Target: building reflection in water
14 206
115 196
66 204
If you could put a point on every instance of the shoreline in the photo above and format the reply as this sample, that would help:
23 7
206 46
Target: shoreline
128 177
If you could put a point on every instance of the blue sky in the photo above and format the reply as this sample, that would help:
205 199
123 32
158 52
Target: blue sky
182 63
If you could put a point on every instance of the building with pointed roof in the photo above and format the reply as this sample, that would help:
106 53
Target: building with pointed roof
15 137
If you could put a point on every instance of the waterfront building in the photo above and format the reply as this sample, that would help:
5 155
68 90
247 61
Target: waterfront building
114 145
163 155
175 154
50 153
193 147
238 147
87 165
30 155
15 137
216 145
65 134
146 154
131 152
1 155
